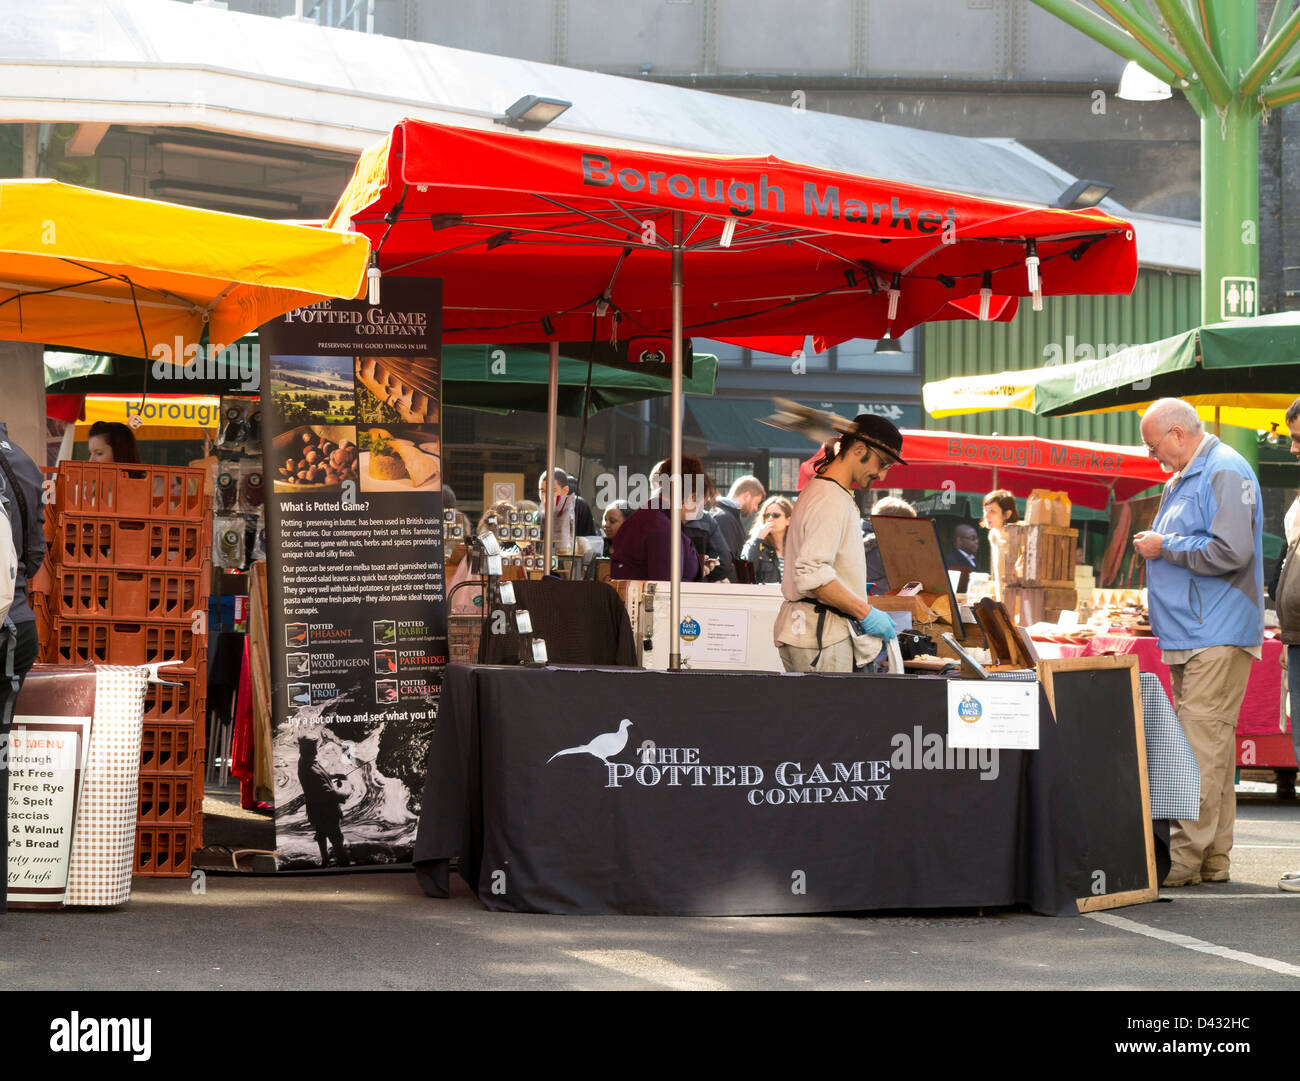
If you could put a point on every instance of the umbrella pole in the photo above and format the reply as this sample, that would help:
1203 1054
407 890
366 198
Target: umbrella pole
552 424
1216 420
675 485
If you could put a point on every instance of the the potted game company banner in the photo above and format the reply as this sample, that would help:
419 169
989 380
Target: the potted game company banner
352 406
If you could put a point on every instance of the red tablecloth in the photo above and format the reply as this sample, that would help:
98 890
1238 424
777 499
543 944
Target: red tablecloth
1262 710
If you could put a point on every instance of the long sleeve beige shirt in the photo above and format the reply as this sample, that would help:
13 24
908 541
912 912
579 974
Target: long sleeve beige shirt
823 544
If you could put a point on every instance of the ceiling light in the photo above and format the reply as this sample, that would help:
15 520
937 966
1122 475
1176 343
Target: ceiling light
1082 194
532 113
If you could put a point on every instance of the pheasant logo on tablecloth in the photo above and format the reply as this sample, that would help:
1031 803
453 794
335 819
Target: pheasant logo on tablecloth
603 747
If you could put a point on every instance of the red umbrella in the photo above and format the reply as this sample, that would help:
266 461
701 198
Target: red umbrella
523 228
1087 472
540 239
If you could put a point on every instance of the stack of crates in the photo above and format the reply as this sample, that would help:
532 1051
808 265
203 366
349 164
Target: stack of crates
126 581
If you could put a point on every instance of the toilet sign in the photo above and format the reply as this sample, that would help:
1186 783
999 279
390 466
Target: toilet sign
1238 298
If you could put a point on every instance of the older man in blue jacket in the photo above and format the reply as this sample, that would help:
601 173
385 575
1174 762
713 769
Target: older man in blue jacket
1205 589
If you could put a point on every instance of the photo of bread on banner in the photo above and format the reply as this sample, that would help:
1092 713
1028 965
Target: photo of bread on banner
399 459
404 385
314 457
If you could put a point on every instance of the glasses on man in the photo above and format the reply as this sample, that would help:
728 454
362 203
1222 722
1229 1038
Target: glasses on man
1154 448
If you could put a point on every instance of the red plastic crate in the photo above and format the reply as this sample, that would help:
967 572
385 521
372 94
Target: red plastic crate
106 641
130 490
172 750
43 583
131 543
169 801
96 593
163 853
186 702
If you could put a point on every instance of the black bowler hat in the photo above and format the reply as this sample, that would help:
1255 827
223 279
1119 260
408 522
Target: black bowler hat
879 434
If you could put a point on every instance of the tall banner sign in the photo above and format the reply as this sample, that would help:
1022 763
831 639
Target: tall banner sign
352 445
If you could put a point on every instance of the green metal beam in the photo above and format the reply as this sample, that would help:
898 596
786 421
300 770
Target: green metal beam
1289 67
1282 93
1274 50
1109 35
1147 35
1188 35
1280 11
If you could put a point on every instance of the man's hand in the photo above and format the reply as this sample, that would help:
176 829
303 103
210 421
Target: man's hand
1148 544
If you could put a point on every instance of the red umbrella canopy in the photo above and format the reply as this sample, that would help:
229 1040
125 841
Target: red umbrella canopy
534 238
1087 472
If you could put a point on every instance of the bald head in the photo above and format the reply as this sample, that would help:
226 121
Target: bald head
1172 432
1169 411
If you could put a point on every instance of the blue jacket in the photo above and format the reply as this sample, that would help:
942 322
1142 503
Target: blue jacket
1207 586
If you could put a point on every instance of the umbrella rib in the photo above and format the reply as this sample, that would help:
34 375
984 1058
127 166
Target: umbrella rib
67 291
20 292
686 240
591 217
194 306
756 238
627 214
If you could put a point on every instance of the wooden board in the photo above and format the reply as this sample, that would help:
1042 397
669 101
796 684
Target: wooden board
1009 647
259 659
910 551
1097 703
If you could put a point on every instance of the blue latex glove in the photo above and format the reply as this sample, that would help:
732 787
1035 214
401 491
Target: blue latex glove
879 625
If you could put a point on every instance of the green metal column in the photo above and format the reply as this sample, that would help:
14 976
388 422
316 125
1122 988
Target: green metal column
1230 177
1229 163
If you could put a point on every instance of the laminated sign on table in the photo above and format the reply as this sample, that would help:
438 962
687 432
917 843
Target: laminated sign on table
987 713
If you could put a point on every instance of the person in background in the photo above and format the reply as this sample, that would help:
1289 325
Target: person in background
737 511
561 507
20 482
965 543
1286 599
765 548
584 522
109 441
640 548
1205 591
701 527
826 620
448 498
615 515
898 508
999 512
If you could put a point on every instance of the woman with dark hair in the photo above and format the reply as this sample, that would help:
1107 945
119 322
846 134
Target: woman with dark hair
999 512
826 622
615 515
698 490
765 548
110 441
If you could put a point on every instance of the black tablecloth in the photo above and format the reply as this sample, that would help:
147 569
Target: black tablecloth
832 825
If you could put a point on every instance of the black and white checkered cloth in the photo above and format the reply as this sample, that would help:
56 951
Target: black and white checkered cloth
1172 772
1173 776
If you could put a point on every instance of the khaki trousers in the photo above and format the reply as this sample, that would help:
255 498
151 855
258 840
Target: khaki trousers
1208 690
